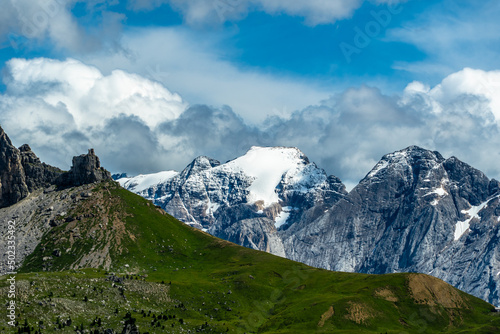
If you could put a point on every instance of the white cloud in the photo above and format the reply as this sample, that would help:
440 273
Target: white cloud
90 97
27 24
348 133
467 85
55 99
451 36
39 19
67 107
212 11
188 64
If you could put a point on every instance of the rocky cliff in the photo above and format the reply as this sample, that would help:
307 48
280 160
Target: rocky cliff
38 174
13 185
22 172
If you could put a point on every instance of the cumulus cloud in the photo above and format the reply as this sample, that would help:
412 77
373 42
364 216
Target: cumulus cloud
349 133
67 104
89 96
186 63
313 11
138 126
214 132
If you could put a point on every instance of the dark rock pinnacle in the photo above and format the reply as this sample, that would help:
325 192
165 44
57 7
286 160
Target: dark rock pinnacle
86 169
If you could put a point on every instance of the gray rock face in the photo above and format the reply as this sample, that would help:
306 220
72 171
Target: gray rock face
13 185
38 174
256 233
250 200
414 212
86 169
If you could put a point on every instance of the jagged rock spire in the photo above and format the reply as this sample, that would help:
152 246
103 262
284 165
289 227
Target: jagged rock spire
86 169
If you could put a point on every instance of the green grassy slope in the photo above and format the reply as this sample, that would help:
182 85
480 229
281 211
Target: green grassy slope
146 268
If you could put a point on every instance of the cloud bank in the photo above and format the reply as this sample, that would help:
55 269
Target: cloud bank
139 126
64 107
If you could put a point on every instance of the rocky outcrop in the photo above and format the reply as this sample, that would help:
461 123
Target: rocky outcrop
86 169
13 187
22 172
38 174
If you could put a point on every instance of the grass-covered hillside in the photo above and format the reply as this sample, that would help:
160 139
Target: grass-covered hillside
116 263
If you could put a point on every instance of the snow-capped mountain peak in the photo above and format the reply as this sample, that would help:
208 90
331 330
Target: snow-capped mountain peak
266 189
405 159
267 166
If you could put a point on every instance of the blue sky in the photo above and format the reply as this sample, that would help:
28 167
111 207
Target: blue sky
266 68
284 44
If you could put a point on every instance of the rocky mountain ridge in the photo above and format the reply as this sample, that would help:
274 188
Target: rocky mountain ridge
28 196
22 172
115 263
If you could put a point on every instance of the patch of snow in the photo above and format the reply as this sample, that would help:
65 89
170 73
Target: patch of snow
462 226
212 207
266 165
164 197
378 167
283 216
304 177
142 182
400 155
441 192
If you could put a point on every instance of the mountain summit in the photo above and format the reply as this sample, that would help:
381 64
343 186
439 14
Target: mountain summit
246 200
414 212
